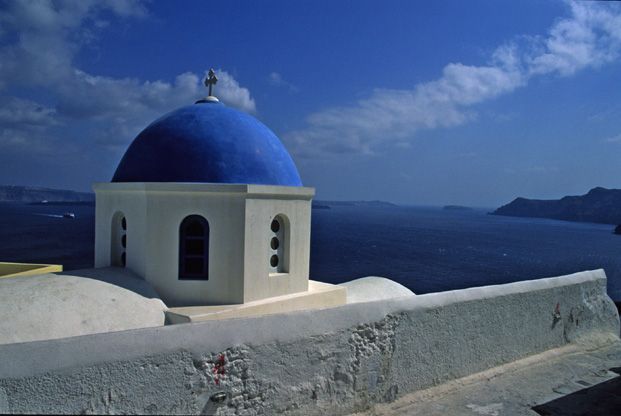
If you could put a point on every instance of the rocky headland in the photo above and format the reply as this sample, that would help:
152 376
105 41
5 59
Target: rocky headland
33 194
599 205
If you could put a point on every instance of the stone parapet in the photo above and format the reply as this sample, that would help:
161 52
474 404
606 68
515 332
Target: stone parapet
331 361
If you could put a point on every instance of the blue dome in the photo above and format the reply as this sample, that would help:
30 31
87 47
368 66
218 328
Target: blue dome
207 142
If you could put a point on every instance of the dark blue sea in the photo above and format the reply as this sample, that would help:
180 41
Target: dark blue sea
425 249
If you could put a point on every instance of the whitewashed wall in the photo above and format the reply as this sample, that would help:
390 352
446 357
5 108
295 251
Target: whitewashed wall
331 361
239 219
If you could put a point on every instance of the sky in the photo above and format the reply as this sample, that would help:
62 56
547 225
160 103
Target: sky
421 103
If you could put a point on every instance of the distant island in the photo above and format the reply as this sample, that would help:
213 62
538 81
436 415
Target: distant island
329 204
46 196
456 208
37 195
599 205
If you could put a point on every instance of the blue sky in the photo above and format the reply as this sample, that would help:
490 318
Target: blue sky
423 103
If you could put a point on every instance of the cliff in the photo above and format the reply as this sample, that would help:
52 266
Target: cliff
599 205
37 194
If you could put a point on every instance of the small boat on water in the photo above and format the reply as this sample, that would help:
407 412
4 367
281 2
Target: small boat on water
69 215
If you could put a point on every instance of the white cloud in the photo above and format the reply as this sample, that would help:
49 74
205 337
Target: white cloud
38 43
16 111
589 37
276 80
396 115
613 139
19 140
47 36
24 125
229 91
542 169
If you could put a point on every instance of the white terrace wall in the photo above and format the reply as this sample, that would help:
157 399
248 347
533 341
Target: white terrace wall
332 361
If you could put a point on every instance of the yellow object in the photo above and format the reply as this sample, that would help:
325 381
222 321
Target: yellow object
319 296
27 269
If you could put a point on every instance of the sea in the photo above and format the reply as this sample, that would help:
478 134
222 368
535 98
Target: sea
427 249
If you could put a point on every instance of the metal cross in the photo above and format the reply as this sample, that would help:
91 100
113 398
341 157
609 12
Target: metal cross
211 80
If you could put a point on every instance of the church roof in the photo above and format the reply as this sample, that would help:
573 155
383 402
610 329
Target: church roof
207 142
76 303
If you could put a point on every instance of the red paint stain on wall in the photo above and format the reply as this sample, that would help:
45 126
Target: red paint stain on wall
218 369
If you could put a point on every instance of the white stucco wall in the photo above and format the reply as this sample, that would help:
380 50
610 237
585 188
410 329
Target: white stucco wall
366 289
224 212
50 306
259 281
332 361
133 205
239 217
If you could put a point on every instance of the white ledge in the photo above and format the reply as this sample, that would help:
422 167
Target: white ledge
301 192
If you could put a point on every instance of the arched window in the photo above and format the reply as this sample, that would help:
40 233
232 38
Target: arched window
279 243
194 248
118 240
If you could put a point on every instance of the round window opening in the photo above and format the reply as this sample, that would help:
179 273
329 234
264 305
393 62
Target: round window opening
274 260
275 226
124 224
274 243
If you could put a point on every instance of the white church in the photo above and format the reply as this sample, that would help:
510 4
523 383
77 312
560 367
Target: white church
205 218
208 207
